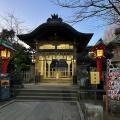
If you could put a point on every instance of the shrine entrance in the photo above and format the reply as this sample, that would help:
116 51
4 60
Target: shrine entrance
59 69
51 65
56 44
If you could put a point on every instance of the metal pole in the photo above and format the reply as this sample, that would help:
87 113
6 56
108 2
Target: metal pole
95 97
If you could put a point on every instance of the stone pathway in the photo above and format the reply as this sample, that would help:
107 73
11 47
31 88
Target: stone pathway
40 111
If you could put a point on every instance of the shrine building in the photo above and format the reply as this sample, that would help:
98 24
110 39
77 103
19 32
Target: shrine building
56 44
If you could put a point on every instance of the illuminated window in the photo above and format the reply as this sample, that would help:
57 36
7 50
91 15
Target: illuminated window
99 53
47 46
8 54
71 46
64 46
3 53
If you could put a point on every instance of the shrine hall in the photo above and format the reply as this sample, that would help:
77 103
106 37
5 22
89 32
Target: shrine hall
56 44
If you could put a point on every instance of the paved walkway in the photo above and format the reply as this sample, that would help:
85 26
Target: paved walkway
40 111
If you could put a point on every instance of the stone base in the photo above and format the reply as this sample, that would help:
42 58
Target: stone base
93 112
113 105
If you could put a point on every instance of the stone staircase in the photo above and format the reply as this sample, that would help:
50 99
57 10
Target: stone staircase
46 93
57 80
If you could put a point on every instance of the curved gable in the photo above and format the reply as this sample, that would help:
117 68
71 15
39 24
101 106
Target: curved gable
56 25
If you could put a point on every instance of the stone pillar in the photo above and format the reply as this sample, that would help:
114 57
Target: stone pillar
68 62
41 66
44 67
49 63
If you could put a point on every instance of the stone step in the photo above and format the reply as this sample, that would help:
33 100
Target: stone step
45 91
48 94
59 80
46 98
35 92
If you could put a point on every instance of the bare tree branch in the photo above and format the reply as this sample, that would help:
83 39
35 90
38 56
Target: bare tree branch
11 22
107 10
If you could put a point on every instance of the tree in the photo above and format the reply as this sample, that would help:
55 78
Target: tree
21 60
109 34
8 35
107 10
10 21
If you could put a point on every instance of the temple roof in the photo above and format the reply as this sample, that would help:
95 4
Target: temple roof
55 26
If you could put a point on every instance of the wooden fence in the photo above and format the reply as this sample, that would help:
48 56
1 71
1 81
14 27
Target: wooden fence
25 76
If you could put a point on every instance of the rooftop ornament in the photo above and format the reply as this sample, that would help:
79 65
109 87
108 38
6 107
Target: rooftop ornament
54 18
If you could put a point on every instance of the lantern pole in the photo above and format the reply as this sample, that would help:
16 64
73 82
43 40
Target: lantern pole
4 66
99 67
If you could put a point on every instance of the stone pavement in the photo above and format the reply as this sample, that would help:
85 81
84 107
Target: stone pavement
40 110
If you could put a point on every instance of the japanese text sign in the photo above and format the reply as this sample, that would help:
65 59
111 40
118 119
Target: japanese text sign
95 77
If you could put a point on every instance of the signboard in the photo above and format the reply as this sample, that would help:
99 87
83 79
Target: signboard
5 83
4 87
5 93
95 77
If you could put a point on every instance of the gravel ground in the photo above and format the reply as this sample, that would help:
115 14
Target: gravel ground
106 116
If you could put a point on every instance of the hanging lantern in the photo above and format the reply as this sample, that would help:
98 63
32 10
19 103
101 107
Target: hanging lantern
99 52
33 60
5 54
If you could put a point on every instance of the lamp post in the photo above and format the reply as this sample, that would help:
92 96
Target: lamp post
99 50
6 52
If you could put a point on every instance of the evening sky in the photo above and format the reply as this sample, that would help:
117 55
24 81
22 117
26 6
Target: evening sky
36 12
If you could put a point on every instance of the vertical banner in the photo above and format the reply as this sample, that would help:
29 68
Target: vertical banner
112 82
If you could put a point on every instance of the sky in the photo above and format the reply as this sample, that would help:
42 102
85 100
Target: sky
36 12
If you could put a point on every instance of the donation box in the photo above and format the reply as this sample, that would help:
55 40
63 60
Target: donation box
4 87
